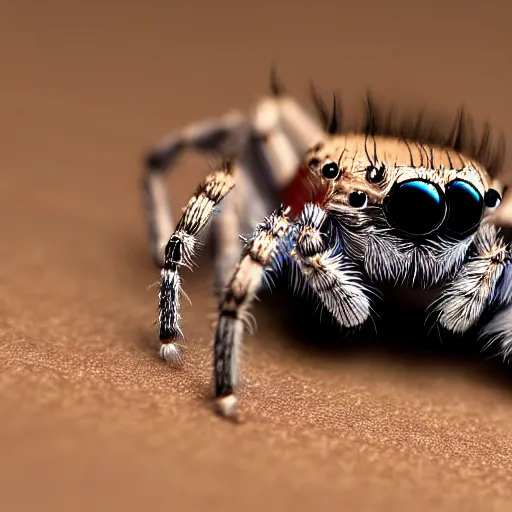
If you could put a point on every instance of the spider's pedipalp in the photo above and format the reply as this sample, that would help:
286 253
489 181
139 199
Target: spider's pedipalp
335 279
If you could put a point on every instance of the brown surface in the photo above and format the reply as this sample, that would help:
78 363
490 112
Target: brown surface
89 416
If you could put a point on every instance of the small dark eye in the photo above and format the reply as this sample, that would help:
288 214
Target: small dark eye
465 206
492 198
330 170
357 199
375 174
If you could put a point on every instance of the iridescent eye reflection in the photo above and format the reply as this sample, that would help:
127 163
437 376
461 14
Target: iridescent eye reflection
416 206
419 207
465 207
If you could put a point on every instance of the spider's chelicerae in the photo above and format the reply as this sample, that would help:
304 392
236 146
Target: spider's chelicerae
351 212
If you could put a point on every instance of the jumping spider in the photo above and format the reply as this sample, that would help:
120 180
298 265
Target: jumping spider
389 204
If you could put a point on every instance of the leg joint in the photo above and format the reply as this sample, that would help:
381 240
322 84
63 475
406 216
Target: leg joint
173 252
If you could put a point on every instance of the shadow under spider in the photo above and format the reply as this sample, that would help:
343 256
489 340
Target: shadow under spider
399 336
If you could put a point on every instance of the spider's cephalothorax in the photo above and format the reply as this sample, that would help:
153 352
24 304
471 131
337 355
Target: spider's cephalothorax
351 212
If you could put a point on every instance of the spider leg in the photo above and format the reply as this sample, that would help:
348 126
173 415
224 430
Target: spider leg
180 250
333 278
278 131
225 136
282 133
473 290
225 240
256 196
287 132
258 254
267 147
499 328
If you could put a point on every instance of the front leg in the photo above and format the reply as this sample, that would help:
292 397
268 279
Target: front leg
258 254
475 287
224 136
180 251
330 275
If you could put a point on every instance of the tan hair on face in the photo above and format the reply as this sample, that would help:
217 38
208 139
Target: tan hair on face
399 160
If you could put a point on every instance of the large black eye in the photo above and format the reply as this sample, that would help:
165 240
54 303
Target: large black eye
415 206
465 207
330 170
492 198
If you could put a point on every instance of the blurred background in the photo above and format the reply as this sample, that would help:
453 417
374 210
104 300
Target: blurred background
90 417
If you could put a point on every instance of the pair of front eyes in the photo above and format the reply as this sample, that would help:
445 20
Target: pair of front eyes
419 207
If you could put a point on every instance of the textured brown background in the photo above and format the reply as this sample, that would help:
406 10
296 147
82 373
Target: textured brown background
90 418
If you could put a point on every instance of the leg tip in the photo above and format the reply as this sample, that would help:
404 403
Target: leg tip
225 406
171 353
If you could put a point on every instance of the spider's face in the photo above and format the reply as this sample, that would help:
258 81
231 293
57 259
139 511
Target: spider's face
408 211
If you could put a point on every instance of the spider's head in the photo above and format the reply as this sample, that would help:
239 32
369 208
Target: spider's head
417 190
408 211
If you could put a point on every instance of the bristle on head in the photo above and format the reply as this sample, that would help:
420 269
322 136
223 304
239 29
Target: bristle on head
417 127
276 86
